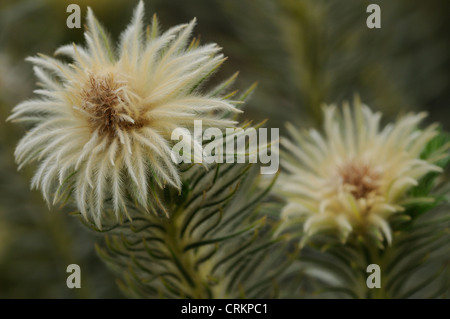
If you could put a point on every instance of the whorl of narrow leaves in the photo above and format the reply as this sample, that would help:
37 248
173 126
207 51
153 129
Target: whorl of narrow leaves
215 245
415 266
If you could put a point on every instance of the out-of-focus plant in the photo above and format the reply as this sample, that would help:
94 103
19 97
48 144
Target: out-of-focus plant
400 67
363 196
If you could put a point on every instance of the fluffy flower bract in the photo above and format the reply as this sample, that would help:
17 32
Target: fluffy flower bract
103 123
356 175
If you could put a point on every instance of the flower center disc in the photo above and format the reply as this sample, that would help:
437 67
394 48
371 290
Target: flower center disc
104 99
359 179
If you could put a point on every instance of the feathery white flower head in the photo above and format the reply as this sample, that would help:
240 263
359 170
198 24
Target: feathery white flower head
356 175
103 123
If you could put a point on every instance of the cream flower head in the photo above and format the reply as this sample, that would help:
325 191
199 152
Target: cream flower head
103 123
352 179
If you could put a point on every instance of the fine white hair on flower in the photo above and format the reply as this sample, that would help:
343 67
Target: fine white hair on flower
355 176
102 124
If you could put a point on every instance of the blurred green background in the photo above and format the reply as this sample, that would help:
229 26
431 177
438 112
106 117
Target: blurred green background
301 52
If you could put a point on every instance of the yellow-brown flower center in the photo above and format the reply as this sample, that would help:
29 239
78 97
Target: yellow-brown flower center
104 99
359 179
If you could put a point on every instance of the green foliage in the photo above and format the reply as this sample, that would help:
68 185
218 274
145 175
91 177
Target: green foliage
207 248
439 145
415 266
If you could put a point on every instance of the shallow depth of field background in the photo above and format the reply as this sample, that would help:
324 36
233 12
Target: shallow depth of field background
301 52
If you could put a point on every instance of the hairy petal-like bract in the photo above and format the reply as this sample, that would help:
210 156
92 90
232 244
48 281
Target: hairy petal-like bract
101 125
356 176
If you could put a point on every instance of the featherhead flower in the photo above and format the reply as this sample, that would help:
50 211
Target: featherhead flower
103 123
357 175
